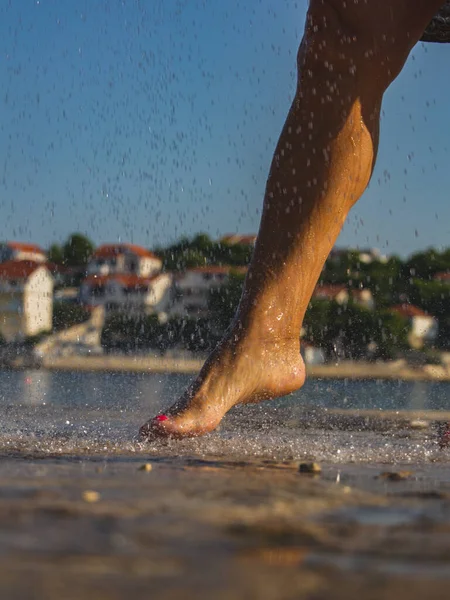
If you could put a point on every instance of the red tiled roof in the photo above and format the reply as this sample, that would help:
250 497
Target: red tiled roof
25 247
18 269
236 238
329 291
443 276
55 268
111 250
333 290
409 311
129 281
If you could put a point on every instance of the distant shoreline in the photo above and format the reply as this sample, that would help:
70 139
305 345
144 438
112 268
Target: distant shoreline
394 370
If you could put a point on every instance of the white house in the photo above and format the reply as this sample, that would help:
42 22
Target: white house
365 255
123 258
312 355
21 251
193 287
127 292
424 327
26 299
342 294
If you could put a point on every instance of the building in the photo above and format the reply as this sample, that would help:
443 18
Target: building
342 294
126 278
424 327
21 251
443 277
233 239
312 355
26 299
127 292
364 255
192 289
124 258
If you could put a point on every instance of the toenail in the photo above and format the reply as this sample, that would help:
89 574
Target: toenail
161 418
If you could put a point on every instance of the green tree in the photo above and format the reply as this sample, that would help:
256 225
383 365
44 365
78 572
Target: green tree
201 251
390 334
342 269
130 332
55 254
388 281
443 340
201 242
426 264
431 296
316 325
67 315
352 329
224 301
196 335
77 250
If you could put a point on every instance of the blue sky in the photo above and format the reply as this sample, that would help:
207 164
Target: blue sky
145 120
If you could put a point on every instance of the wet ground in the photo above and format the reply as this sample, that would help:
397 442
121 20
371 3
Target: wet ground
228 515
102 527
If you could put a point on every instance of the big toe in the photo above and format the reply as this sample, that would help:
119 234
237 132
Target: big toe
160 426
178 426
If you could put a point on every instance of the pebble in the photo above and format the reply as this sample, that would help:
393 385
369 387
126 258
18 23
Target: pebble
91 496
419 424
147 467
310 468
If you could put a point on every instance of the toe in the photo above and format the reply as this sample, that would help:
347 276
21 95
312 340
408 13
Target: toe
155 427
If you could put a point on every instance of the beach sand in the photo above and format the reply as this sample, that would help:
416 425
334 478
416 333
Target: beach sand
229 515
104 526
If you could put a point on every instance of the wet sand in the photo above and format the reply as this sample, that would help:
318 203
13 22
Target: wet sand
196 527
226 516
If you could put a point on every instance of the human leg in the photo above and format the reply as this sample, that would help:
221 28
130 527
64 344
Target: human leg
350 53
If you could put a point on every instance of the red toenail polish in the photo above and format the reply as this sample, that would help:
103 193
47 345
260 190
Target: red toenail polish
161 418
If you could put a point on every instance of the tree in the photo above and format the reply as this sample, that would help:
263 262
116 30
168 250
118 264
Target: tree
387 281
443 340
55 254
224 301
342 268
130 332
316 325
77 250
201 242
350 329
425 264
390 334
201 251
67 315
196 335
432 296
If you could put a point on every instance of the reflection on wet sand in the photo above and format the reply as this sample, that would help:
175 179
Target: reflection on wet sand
219 528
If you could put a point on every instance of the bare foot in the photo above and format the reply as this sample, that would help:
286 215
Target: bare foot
239 371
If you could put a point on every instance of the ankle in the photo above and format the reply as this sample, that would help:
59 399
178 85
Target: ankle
252 331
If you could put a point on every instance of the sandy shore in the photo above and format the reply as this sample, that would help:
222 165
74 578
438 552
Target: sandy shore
342 370
100 527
